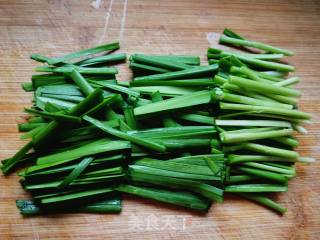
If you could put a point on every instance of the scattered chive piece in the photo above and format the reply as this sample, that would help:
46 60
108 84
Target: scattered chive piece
13 160
89 51
264 201
264 174
258 62
258 45
256 188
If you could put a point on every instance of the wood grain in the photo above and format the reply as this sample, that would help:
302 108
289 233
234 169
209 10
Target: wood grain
172 26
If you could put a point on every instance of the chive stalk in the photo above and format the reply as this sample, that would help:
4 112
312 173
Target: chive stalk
263 87
81 82
264 174
227 137
140 141
11 163
188 73
164 63
256 188
260 63
83 70
258 45
253 123
264 109
55 116
146 68
264 201
102 59
76 172
184 199
234 159
188 100
89 51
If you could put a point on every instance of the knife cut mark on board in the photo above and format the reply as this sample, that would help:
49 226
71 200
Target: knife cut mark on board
106 22
123 20
96 4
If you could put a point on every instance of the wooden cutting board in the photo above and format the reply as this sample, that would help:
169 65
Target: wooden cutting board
165 27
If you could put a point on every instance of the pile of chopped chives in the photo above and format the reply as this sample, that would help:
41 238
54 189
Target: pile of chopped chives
180 132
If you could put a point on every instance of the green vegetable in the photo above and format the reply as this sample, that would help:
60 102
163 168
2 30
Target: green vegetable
89 51
188 100
258 45
188 73
233 159
228 32
25 127
158 62
227 137
219 95
263 87
77 110
116 88
10 164
83 70
253 123
76 171
77 195
186 59
264 109
264 174
256 188
99 146
179 133
166 119
81 82
102 59
130 118
175 132
258 62
218 54
54 116
142 67
30 208
200 82
170 91
264 201
207 191
184 199
140 141
279 168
